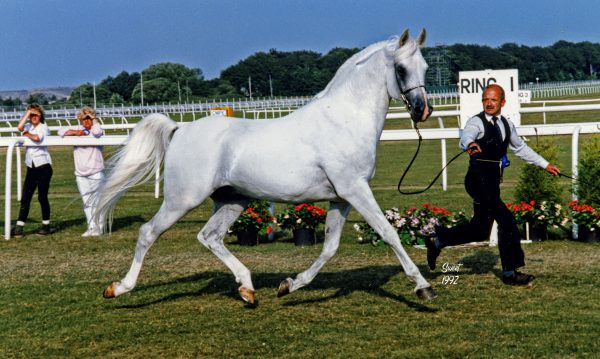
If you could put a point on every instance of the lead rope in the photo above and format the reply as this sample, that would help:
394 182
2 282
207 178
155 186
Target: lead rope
413 160
440 173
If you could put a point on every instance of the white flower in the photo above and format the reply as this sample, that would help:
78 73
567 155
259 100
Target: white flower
299 220
286 216
356 227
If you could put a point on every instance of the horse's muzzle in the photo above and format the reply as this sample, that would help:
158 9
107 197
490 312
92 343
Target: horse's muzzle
421 111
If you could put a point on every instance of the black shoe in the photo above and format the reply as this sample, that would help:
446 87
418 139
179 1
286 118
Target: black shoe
45 230
518 279
17 231
432 252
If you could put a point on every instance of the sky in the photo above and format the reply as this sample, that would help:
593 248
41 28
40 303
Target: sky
50 43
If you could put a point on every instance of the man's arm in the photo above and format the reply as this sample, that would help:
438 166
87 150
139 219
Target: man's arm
527 154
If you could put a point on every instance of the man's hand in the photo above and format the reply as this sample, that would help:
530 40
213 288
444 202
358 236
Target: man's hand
552 169
473 149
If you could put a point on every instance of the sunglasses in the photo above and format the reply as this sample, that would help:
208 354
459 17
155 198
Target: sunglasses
34 114
87 118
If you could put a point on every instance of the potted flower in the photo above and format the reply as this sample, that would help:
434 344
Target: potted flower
538 216
302 220
421 222
253 222
366 234
587 219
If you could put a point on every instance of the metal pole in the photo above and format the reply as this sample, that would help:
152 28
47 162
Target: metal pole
7 187
94 87
250 86
19 189
444 159
574 172
142 87
157 183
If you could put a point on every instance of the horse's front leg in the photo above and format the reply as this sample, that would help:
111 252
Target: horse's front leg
336 217
360 196
211 236
149 232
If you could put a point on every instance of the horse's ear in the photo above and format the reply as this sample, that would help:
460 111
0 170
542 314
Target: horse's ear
403 38
422 37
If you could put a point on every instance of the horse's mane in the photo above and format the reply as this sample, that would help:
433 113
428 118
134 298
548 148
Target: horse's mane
389 46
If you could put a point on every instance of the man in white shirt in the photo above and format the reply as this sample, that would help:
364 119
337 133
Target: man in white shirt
486 138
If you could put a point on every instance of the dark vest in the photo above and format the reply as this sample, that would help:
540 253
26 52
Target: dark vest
492 148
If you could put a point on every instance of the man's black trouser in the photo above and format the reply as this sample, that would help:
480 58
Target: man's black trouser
36 177
482 182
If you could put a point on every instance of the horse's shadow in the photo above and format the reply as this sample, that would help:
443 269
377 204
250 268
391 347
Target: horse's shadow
369 279
119 223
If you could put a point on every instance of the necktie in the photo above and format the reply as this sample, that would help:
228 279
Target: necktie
497 128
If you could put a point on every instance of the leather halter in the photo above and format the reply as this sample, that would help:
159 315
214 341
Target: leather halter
403 96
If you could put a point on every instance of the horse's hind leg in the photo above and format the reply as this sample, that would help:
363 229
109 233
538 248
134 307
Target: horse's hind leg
336 217
149 232
361 198
211 236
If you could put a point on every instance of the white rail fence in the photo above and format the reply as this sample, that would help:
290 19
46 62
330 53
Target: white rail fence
390 135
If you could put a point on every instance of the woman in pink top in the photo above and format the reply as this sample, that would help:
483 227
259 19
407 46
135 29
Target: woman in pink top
89 164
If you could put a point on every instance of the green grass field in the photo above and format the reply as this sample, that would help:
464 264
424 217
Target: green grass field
361 304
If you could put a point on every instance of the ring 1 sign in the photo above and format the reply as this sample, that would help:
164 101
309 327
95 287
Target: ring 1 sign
470 90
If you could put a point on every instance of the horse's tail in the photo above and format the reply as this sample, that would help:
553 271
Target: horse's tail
135 163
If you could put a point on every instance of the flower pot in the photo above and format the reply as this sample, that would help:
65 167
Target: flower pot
537 232
587 235
247 238
304 237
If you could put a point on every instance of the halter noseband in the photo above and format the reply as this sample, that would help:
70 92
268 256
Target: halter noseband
403 96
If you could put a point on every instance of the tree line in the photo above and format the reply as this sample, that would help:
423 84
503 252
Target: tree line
304 73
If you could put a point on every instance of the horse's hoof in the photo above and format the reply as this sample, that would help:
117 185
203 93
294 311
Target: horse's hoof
109 292
247 295
284 287
426 293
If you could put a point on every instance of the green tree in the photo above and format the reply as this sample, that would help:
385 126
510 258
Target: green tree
83 95
38 98
535 183
156 91
122 84
588 188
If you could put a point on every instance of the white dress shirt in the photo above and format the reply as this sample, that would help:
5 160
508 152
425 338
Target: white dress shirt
37 156
474 130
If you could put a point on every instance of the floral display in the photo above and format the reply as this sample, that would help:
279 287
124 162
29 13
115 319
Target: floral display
412 224
302 216
585 215
255 218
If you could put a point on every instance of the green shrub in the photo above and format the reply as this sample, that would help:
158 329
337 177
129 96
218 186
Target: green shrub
588 187
534 182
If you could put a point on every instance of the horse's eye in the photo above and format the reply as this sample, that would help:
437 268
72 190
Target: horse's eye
401 71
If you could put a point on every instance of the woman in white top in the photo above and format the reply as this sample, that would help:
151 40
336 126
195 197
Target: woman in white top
39 169
89 164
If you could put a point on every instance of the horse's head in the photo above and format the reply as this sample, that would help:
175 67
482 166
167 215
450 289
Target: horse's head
408 80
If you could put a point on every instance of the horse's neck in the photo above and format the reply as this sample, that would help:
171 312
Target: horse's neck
362 102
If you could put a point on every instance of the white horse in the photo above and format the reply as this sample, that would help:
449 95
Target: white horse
324 151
